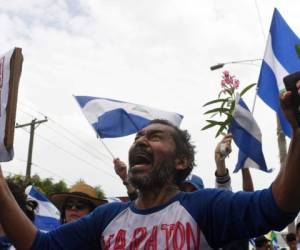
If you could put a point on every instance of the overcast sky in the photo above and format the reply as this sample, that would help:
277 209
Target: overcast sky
156 53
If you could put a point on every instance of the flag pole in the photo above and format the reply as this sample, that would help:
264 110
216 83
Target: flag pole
264 37
281 140
106 147
254 101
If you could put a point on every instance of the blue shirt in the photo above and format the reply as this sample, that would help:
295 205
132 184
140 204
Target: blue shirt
208 217
4 243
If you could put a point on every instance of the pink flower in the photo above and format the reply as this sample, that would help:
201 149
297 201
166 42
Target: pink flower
226 73
236 84
229 81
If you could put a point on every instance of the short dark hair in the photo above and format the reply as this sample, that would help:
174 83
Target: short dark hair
18 191
184 149
290 237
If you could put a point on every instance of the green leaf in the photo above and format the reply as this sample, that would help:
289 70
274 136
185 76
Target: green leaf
215 122
220 130
224 126
220 93
232 105
209 126
229 91
219 110
223 104
213 115
212 123
247 88
216 101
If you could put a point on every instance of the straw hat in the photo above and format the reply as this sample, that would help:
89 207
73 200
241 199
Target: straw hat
79 190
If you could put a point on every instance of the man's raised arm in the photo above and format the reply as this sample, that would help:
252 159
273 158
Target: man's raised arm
286 187
15 223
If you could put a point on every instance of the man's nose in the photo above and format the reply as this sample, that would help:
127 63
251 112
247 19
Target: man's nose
142 140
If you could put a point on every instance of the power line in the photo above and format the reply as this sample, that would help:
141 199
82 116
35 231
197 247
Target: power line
53 173
47 170
70 133
69 153
21 160
9 172
62 149
75 156
31 116
78 145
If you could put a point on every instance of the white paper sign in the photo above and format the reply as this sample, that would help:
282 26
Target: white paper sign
5 155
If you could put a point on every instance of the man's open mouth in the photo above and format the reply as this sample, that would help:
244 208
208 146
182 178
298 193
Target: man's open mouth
140 157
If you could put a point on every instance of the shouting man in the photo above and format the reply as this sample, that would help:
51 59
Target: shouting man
162 217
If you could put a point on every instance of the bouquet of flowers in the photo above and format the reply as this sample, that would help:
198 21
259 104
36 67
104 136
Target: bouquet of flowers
225 102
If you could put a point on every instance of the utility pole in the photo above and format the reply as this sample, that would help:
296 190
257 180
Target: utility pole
33 125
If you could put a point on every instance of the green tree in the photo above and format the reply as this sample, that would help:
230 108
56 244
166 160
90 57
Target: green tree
100 192
47 186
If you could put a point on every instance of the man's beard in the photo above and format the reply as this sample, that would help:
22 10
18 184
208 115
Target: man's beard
157 177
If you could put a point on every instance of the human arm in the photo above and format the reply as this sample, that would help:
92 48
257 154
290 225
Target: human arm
224 216
247 180
222 149
286 188
85 233
18 228
121 170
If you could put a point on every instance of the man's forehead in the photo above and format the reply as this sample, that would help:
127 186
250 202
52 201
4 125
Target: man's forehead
156 127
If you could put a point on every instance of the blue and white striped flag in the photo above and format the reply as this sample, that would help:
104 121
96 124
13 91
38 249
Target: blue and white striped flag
247 136
280 59
46 214
112 118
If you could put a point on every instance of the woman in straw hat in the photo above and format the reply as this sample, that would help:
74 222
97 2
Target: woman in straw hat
80 201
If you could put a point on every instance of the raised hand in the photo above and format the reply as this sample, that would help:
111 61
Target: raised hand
120 169
223 148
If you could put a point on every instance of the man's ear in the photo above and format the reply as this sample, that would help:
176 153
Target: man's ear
181 163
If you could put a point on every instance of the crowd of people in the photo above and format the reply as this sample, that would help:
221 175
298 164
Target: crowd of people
168 206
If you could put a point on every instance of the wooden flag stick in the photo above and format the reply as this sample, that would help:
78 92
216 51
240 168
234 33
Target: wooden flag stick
106 147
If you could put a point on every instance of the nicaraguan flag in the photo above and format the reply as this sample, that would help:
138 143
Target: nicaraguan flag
47 216
280 59
112 118
247 136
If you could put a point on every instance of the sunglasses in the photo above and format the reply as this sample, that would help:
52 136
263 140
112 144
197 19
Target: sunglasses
77 204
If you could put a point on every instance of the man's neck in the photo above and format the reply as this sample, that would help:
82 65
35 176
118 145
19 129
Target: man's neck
155 197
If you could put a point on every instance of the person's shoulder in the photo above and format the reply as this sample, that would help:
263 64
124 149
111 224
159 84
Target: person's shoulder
207 192
202 196
112 207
